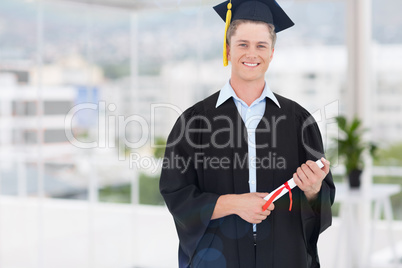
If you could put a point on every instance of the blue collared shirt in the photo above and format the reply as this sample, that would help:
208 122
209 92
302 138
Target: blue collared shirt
251 116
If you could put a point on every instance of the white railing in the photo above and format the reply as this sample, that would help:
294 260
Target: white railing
69 233
80 234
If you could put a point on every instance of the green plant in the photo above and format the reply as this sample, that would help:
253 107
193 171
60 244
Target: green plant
160 146
351 145
390 155
148 188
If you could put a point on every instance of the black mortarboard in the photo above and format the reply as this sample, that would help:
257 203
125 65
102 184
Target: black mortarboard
267 11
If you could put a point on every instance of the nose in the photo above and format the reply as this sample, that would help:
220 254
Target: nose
251 53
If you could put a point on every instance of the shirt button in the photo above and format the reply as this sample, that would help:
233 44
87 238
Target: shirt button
252 182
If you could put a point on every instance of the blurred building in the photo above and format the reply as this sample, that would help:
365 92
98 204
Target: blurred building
313 76
34 104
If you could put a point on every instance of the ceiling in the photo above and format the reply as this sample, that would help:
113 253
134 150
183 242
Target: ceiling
155 4
145 4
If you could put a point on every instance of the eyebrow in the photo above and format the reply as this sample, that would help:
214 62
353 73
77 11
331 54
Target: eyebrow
246 41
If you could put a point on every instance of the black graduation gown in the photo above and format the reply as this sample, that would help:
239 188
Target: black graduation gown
213 143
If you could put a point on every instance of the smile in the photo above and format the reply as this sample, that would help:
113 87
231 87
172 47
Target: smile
251 64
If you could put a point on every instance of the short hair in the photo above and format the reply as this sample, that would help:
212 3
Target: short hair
233 27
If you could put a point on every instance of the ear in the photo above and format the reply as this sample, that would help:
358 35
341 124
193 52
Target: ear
272 54
228 52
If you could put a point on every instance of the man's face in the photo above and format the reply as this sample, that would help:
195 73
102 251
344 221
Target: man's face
250 52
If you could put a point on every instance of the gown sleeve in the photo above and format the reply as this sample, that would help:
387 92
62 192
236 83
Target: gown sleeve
180 185
316 216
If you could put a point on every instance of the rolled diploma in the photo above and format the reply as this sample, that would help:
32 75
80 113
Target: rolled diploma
291 184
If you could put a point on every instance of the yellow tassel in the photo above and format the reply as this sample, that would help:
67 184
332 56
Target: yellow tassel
228 18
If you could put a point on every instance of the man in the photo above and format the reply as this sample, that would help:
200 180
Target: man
240 144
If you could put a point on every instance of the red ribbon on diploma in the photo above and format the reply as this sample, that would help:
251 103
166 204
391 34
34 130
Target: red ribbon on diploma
286 186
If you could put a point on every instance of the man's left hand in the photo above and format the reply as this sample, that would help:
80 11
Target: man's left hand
309 178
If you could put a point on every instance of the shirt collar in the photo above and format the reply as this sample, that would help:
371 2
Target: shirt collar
227 92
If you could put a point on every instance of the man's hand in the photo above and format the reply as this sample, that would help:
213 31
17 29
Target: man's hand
247 206
309 178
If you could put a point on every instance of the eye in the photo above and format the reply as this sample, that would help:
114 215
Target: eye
242 45
261 46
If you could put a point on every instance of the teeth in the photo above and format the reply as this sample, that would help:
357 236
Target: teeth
251 64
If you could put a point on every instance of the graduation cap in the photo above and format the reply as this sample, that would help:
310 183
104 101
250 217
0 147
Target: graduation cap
267 11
